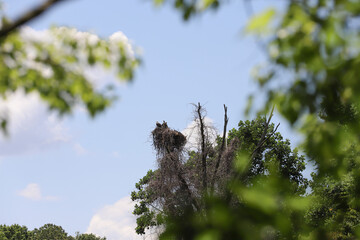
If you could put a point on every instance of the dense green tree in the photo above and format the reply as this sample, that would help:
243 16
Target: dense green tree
46 232
14 232
274 150
177 187
50 231
86 236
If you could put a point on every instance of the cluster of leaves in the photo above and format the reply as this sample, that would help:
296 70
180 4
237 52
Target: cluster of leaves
190 8
46 232
333 210
148 217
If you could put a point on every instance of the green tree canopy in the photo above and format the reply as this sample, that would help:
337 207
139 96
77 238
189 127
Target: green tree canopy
87 236
46 232
50 231
14 232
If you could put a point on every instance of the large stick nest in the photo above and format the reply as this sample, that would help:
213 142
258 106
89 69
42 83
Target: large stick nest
166 140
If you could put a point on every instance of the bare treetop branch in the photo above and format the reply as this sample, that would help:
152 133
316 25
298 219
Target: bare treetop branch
203 142
223 146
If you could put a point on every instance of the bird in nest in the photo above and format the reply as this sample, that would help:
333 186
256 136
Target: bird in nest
164 125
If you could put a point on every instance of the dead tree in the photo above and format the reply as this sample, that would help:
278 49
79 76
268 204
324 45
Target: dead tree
169 145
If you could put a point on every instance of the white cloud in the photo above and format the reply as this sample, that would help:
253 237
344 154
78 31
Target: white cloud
116 222
192 132
31 127
33 192
79 149
115 154
101 78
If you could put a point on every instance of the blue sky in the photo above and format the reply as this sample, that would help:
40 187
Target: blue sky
77 167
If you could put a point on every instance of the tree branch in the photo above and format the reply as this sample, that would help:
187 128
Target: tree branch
27 17
156 208
203 146
223 146
263 138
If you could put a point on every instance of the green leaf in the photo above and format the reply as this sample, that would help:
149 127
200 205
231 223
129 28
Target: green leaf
206 4
259 23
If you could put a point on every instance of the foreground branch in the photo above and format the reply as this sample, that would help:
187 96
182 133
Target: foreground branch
27 17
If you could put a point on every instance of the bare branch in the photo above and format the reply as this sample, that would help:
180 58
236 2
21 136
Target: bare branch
270 135
223 146
263 138
156 208
203 145
27 17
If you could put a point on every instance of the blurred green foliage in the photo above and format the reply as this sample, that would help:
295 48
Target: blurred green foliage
54 64
333 208
190 8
